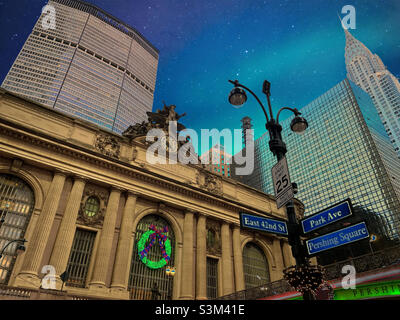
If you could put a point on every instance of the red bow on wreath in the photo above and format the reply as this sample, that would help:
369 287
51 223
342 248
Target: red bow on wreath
158 233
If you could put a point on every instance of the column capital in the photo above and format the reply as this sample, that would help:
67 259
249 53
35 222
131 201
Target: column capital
61 172
190 211
235 226
116 188
131 193
78 177
200 214
229 224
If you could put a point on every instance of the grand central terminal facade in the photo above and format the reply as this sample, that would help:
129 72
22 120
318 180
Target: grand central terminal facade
93 212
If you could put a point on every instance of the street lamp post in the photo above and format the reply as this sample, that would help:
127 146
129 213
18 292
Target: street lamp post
237 97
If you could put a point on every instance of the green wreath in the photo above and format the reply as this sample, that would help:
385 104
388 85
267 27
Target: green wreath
143 255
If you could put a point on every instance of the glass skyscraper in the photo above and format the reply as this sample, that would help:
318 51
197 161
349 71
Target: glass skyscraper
369 73
344 153
92 66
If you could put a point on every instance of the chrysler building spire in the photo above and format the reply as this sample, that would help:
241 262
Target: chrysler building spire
368 72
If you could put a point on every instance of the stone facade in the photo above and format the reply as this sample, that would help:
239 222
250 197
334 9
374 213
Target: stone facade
66 160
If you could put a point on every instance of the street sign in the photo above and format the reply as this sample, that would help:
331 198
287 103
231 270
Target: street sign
282 185
327 216
263 224
337 238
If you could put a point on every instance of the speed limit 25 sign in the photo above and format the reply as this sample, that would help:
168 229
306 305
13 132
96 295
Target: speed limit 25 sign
282 185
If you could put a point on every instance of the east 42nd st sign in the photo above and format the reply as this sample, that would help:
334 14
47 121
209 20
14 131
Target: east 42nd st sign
263 224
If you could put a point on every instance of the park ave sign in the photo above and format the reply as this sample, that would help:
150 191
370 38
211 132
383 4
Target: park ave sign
327 216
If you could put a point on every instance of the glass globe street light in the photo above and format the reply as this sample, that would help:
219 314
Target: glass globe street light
299 125
278 148
20 248
237 97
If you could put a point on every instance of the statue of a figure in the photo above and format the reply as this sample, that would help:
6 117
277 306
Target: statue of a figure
159 119
172 115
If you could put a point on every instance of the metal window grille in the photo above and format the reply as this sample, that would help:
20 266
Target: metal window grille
255 266
79 259
92 206
16 206
142 278
212 278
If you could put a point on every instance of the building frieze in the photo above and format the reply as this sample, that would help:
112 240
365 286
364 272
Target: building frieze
207 187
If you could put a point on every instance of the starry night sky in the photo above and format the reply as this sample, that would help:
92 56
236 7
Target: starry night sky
296 45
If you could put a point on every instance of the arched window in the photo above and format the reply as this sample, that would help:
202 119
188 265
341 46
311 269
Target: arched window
92 206
16 206
142 279
255 266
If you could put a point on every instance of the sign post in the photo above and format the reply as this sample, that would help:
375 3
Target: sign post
282 185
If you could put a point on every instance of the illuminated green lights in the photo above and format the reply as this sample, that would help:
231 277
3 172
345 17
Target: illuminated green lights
370 291
373 290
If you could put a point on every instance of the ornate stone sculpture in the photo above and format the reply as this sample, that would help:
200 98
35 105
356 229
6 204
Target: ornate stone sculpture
108 145
156 120
95 219
213 240
209 182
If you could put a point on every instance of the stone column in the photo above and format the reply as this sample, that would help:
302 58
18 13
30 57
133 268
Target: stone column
227 272
28 275
66 231
279 262
187 258
288 259
238 259
122 263
201 259
99 276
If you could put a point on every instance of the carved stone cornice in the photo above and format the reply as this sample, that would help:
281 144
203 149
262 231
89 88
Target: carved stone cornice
195 191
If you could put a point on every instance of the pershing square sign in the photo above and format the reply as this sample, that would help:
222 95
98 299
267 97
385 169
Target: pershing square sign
337 238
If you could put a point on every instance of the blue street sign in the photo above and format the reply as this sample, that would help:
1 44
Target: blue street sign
327 216
263 224
337 238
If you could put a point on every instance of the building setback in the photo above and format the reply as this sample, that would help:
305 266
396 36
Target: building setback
344 153
91 66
